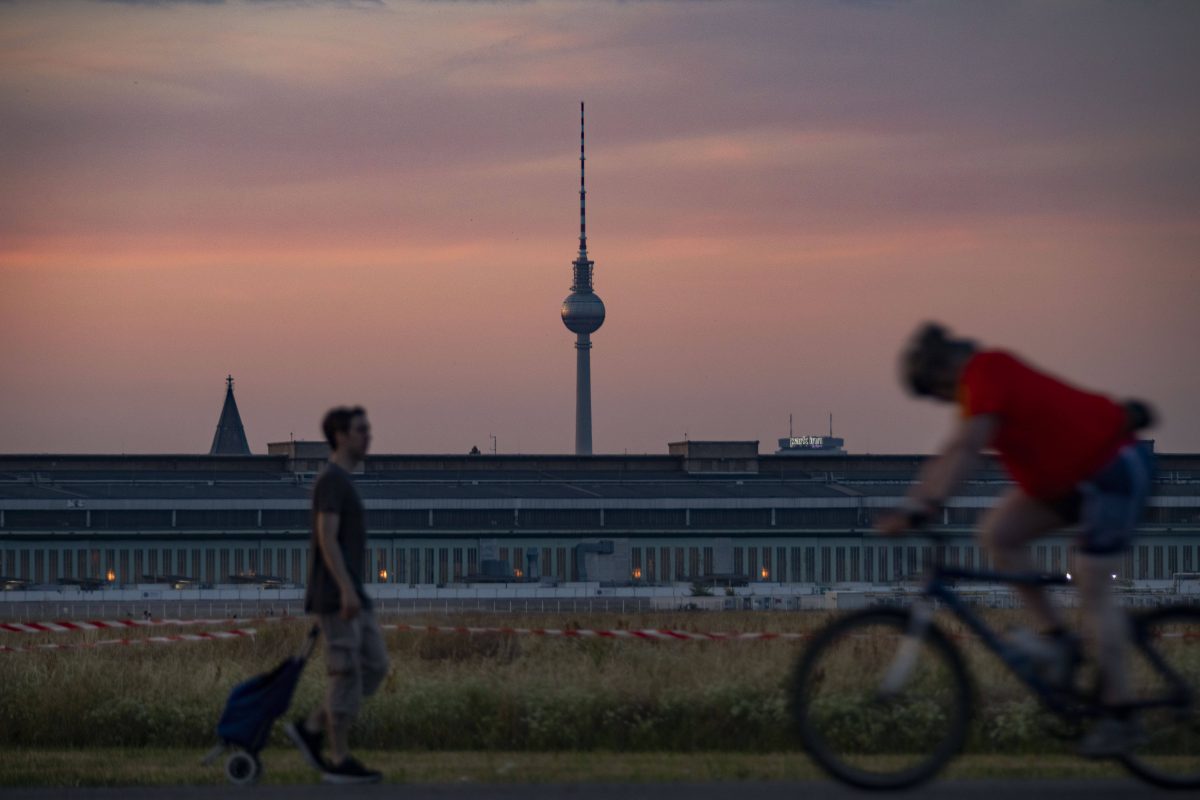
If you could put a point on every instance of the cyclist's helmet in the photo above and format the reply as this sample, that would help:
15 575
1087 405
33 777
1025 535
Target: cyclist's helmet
929 354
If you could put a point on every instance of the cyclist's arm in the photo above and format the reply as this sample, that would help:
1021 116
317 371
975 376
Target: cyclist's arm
940 475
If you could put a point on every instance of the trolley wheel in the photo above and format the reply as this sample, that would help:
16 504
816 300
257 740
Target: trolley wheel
243 768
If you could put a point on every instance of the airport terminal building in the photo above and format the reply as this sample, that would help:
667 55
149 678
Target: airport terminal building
716 512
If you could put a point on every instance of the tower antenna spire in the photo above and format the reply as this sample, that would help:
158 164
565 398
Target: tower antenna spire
582 190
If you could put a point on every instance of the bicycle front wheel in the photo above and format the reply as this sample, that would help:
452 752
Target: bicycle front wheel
1166 672
881 703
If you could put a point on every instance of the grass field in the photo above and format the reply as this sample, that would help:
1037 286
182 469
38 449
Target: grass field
662 707
156 766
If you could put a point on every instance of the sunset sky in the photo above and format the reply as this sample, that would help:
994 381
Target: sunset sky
376 203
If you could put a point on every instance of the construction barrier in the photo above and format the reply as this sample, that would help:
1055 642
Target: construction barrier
646 634
65 626
206 636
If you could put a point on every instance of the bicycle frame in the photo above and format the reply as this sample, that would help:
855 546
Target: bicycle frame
1070 704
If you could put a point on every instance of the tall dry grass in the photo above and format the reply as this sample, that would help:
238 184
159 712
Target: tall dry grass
454 692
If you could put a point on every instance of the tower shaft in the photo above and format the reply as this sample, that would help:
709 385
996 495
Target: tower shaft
583 395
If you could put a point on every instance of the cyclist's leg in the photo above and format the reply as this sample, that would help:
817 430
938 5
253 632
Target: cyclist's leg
1112 504
1106 622
1007 531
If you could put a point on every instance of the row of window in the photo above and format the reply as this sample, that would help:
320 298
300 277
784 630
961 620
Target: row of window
883 563
535 519
411 519
1151 515
124 566
506 519
659 564
211 565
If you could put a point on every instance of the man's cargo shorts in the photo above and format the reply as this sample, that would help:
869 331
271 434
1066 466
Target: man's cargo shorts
355 657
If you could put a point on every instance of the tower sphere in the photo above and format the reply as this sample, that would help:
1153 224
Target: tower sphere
583 312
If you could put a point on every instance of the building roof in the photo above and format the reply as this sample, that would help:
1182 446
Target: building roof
81 481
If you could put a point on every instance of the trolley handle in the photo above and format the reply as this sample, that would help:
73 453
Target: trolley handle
310 642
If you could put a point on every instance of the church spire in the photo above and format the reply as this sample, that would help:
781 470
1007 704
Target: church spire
230 438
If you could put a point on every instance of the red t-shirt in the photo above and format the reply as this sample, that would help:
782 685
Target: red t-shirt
1051 435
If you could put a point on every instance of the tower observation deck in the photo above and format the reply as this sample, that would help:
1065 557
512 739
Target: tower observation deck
583 314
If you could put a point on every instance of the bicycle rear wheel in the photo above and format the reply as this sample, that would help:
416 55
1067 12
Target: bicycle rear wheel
1167 667
879 708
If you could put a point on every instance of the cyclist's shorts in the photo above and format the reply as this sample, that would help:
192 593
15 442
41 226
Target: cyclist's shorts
1108 505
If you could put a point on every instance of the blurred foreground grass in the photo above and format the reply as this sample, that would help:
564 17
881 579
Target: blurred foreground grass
149 767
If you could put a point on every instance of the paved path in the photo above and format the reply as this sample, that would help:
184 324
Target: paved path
813 790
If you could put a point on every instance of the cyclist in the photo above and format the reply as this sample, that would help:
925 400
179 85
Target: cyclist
1075 460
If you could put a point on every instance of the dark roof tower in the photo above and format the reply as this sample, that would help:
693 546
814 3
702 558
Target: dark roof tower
230 438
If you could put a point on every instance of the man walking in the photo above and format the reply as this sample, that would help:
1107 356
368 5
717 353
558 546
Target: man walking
355 654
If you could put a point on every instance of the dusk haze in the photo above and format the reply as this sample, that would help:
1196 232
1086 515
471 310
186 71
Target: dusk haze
316 195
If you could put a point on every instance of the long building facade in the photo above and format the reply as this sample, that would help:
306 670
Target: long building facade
709 511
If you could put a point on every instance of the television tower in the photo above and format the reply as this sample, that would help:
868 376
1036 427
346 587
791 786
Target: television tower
583 314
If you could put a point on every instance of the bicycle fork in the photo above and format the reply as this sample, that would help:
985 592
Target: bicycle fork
900 670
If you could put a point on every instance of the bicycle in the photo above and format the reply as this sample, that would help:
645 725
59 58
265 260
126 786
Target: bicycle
882 698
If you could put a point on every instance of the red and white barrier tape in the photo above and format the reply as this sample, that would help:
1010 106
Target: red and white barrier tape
660 634
65 626
646 634
206 636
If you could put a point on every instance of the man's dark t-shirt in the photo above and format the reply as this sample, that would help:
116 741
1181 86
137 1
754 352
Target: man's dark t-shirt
334 492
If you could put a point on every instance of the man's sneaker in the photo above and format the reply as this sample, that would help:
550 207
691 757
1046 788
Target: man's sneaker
309 744
350 771
1054 658
1111 737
